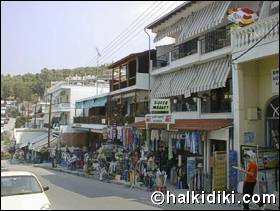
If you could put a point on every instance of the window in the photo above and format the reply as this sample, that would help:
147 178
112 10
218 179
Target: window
116 78
123 73
17 185
217 100
180 103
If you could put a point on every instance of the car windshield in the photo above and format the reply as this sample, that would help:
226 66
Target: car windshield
16 185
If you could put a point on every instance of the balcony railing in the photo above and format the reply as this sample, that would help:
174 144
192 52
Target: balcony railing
161 61
249 35
215 40
211 41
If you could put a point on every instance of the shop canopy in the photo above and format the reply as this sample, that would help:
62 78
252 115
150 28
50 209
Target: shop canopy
96 128
92 102
202 77
38 146
188 124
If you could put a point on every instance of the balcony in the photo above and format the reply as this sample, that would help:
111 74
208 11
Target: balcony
64 106
212 45
244 38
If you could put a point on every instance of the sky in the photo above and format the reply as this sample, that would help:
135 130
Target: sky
57 35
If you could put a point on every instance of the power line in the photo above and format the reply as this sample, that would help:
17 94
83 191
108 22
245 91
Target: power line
127 41
144 21
125 31
132 30
136 35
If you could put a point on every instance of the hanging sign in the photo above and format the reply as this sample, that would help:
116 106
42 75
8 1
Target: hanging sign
162 105
275 80
159 118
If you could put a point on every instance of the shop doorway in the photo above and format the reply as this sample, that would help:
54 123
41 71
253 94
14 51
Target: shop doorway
272 123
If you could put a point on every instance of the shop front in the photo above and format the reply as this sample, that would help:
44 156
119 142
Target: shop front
191 152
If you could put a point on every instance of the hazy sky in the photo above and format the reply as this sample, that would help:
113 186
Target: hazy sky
35 35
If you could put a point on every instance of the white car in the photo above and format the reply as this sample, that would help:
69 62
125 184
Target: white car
21 190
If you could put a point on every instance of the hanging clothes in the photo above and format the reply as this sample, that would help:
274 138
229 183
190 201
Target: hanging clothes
170 153
188 140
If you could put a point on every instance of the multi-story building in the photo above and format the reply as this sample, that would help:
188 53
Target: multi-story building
39 111
195 74
129 88
255 76
94 119
65 93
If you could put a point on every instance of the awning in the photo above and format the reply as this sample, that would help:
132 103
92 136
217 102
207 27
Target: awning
96 128
203 20
90 103
202 77
171 30
189 124
79 105
44 143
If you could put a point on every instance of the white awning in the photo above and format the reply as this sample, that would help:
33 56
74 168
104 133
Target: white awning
202 77
170 30
203 20
43 143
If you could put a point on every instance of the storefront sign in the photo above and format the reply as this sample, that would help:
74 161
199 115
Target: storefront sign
275 80
159 118
162 105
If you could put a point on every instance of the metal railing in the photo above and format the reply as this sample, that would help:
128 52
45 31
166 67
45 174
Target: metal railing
215 40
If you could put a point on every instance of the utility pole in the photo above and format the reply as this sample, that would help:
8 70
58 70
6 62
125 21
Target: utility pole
49 131
35 126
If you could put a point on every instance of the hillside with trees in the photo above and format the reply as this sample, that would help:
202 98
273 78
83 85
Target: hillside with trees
29 87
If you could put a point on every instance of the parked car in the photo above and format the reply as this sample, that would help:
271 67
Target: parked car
22 190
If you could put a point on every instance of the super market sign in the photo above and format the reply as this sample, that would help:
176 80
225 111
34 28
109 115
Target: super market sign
161 105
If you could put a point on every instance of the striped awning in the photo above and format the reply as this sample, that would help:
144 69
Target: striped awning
203 20
202 77
170 30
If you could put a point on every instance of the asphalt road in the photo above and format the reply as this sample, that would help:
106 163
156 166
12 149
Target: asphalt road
74 192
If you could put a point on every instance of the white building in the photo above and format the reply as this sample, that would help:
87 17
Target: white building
255 75
64 95
195 74
39 111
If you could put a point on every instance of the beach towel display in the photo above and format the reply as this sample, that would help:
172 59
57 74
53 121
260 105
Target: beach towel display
242 16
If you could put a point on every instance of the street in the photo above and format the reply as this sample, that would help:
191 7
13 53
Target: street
74 192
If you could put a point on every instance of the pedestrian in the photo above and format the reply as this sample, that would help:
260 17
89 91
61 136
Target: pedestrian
251 176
